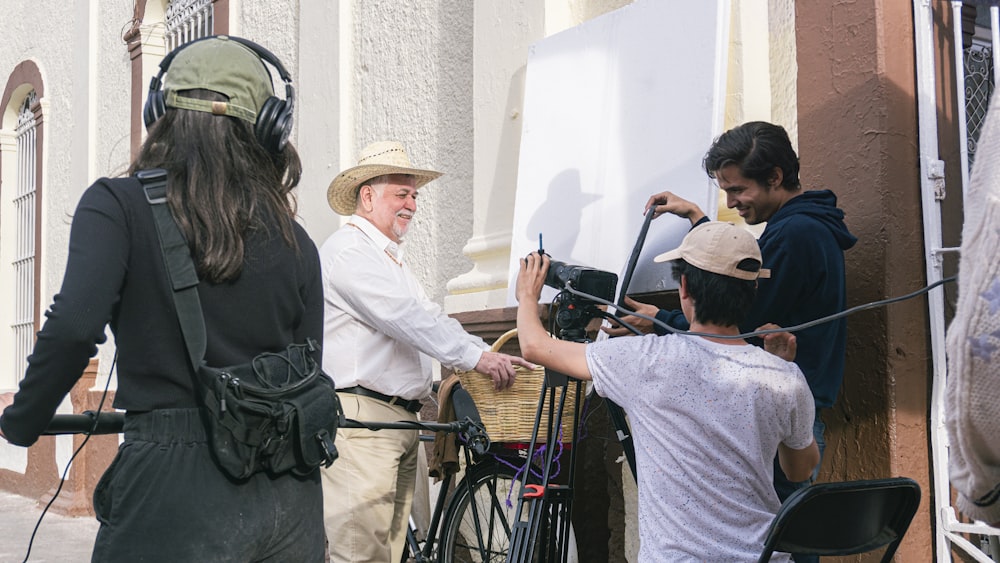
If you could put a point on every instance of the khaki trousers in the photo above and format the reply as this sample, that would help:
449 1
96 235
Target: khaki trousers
368 491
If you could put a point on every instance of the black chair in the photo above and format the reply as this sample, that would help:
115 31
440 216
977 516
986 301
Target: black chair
844 518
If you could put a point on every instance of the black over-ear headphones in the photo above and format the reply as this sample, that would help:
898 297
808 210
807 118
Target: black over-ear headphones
274 120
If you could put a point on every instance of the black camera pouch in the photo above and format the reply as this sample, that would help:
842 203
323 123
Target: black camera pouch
277 413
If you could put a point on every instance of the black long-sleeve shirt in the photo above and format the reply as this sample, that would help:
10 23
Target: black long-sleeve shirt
115 277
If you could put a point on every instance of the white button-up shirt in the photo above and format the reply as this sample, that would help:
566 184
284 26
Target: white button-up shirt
379 326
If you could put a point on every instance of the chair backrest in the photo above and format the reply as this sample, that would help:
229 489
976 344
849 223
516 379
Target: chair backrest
844 518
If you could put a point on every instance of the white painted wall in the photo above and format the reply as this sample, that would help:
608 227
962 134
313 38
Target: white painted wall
85 73
321 92
500 57
412 69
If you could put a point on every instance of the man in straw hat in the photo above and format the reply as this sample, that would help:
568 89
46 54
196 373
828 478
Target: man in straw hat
708 412
381 332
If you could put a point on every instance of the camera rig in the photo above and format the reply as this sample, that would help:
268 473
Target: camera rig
575 309
542 516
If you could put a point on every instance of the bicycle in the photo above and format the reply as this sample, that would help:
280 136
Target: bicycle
473 522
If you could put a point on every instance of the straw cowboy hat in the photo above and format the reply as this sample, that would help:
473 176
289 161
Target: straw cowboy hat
377 159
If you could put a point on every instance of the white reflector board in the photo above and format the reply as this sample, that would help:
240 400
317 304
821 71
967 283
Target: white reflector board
615 110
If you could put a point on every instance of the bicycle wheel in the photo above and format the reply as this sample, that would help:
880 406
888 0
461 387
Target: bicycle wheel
477 526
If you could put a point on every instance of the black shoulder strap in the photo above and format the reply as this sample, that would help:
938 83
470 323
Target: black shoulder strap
180 266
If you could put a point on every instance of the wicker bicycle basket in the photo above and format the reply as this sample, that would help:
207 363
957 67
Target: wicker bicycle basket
509 415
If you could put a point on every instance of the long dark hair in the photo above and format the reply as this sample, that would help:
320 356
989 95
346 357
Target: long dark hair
222 184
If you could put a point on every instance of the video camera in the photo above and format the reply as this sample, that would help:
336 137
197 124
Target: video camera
598 283
574 311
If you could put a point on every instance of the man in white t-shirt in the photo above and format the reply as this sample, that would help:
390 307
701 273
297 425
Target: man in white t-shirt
708 412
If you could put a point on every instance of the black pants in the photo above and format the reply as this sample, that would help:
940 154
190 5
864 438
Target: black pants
164 499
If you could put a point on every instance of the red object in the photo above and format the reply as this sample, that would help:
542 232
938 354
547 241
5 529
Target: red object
536 491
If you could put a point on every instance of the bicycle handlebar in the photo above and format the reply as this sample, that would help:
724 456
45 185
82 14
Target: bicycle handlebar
470 431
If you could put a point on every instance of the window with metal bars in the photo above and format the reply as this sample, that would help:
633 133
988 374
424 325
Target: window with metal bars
26 216
978 68
188 20
979 72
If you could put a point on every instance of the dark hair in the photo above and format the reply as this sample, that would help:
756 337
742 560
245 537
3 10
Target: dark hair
718 299
222 184
757 148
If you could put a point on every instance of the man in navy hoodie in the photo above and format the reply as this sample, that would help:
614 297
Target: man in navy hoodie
803 245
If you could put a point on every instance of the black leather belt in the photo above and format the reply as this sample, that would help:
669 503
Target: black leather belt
412 405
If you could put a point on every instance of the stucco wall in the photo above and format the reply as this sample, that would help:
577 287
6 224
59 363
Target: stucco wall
412 81
51 56
319 120
85 104
111 81
857 136
85 112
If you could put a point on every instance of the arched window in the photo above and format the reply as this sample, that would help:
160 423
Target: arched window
21 139
25 216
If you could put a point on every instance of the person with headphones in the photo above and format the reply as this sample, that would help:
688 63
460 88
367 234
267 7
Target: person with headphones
221 135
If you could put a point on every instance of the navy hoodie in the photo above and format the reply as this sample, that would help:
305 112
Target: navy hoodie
803 245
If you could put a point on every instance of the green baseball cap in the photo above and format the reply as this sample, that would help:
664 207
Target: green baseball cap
223 66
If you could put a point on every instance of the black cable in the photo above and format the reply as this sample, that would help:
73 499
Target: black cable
795 328
62 480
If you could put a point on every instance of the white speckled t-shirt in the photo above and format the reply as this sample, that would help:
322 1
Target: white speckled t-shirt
707 419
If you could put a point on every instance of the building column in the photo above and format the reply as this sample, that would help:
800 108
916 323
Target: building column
502 37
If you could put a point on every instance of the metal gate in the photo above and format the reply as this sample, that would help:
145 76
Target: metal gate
975 80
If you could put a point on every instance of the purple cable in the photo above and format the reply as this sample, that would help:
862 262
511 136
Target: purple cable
518 471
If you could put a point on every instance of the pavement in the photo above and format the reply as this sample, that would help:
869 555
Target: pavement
59 539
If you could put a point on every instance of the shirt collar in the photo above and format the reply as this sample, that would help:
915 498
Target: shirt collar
385 243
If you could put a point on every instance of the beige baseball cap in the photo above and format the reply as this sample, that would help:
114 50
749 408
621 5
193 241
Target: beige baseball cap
721 248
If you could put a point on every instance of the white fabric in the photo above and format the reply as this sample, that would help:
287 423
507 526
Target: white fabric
379 326
707 420
973 342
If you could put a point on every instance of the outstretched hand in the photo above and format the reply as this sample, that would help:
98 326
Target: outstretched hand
500 368
781 344
644 326
668 202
